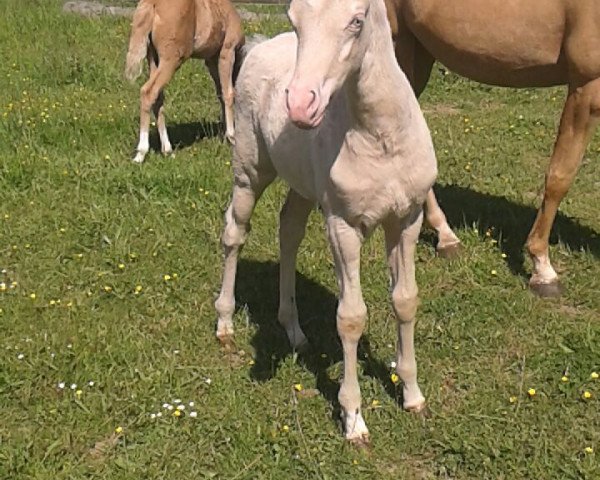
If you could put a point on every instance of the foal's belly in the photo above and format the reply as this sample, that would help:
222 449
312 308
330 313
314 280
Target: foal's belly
499 42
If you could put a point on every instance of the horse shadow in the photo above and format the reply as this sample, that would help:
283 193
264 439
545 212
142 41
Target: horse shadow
510 223
185 135
317 312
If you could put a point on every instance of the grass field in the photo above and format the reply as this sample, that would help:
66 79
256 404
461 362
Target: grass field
110 271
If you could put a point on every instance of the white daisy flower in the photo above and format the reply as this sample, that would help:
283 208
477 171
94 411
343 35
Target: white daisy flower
153 416
73 386
177 400
193 414
159 414
181 407
393 364
20 356
191 404
91 383
165 405
169 407
208 381
61 385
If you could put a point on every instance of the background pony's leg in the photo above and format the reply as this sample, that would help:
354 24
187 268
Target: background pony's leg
351 318
226 61
292 225
158 107
579 119
401 240
149 95
213 68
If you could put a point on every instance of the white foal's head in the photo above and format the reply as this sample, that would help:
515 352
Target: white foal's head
331 45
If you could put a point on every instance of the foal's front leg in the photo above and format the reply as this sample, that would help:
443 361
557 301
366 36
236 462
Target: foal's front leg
401 239
351 318
226 61
292 224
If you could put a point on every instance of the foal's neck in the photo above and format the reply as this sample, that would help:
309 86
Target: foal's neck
379 94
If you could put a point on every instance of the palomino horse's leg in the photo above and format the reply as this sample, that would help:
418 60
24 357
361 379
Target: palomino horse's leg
448 243
149 95
158 107
237 225
579 119
416 62
401 240
292 224
351 318
226 61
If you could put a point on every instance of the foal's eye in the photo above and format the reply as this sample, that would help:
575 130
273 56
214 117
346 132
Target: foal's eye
356 24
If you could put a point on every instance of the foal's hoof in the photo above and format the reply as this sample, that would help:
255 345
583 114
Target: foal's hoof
227 342
230 137
361 442
421 410
139 158
452 250
547 290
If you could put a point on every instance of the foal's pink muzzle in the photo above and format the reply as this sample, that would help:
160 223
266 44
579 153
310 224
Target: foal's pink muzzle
304 106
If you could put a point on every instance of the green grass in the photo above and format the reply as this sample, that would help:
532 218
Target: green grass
73 208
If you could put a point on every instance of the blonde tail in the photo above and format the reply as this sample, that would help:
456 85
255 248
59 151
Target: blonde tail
139 38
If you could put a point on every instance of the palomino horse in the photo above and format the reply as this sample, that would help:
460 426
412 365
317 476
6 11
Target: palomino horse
167 33
353 140
515 43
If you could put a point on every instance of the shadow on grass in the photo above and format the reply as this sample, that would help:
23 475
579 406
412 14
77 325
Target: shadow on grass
511 223
185 135
257 288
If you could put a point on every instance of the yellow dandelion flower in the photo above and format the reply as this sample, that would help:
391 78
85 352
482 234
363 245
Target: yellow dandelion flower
503 255
588 450
2 287
594 375
119 430
32 296
79 393
298 387
394 378
354 462
52 302
251 362
586 395
375 403
121 266
512 399
285 428
138 288
564 378
167 277
531 392
177 413
494 272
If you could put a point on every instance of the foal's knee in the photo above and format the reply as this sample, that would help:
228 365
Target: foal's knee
405 306
234 234
351 319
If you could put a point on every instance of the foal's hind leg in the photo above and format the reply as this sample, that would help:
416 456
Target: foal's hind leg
292 224
149 96
351 319
448 243
247 189
401 240
579 119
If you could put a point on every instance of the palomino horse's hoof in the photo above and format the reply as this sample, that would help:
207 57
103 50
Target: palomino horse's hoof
362 442
547 290
452 250
420 410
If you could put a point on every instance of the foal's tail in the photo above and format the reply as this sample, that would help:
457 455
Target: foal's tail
139 38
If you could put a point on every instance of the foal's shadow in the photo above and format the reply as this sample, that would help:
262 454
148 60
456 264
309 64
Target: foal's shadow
316 309
185 135
511 223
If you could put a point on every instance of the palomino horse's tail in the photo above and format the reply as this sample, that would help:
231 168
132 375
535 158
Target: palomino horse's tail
139 38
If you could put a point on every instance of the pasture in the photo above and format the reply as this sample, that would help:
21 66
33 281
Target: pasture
110 270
